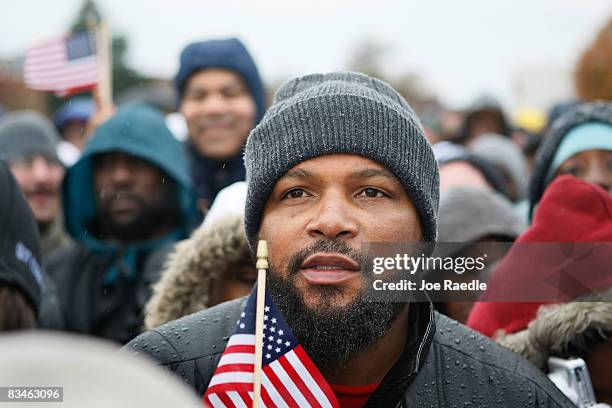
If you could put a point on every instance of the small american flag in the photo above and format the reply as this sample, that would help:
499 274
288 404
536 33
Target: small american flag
288 378
65 65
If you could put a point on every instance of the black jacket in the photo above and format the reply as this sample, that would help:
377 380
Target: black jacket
444 363
93 305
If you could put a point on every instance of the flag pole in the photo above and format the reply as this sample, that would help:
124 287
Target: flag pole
105 81
262 265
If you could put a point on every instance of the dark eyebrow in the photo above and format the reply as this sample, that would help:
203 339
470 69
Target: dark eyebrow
369 173
365 173
299 173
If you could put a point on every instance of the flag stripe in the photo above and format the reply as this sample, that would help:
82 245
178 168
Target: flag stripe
230 368
293 390
312 377
51 50
236 377
53 60
240 348
241 339
237 358
265 397
225 399
215 402
63 82
237 399
246 398
280 387
219 388
297 379
275 397
66 88
70 91
48 70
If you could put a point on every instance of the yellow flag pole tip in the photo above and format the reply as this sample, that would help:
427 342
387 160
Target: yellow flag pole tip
262 249
262 255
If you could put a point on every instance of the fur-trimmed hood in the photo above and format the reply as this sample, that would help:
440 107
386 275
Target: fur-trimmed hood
560 327
185 284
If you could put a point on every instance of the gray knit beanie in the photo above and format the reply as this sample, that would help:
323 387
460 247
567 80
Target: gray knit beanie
25 134
506 155
344 112
468 214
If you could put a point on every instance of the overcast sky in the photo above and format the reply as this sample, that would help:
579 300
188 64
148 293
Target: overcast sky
461 49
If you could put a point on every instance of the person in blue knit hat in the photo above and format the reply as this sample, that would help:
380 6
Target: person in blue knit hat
222 98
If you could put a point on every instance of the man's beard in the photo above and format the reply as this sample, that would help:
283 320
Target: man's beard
331 335
161 213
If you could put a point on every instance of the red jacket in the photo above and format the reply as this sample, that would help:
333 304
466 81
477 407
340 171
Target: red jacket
571 211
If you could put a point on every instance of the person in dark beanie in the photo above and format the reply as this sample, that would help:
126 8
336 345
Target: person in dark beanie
27 295
460 167
484 116
28 143
508 158
579 143
126 201
222 98
341 159
469 216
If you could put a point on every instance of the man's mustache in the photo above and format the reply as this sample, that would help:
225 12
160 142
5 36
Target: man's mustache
108 196
325 246
43 190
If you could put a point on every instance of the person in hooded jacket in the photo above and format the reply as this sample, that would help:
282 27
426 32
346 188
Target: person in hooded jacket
578 143
222 98
126 201
324 179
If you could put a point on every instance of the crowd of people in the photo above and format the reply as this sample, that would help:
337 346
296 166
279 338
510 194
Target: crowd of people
128 231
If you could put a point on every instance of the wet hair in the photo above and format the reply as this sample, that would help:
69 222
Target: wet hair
16 312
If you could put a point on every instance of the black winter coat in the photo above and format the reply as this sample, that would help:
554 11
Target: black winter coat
90 305
444 363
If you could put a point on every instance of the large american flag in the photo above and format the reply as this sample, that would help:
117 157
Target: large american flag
65 65
289 377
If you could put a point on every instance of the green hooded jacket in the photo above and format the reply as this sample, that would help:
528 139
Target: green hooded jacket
103 285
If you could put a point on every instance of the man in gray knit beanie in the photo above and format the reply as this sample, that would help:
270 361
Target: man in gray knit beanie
28 143
341 160
336 113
